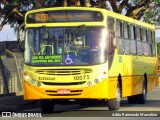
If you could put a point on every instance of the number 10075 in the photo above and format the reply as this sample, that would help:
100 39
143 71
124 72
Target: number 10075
81 77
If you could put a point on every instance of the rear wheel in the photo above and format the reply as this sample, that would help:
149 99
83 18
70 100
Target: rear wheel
114 104
131 99
47 106
141 98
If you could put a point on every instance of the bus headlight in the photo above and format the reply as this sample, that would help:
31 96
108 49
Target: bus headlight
38 84
32 82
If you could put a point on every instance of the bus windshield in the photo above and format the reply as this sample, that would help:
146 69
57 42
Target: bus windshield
80 45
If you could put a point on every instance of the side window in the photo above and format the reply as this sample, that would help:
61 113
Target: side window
126 38
111 35
153 44
141 34
146 44
139 42
144 35
139 48
149 36
119 35
150 41
146 49
126 32
137 33
132 32
153 36
133 42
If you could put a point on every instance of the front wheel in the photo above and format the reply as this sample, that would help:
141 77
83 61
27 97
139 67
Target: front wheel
47 106
114 104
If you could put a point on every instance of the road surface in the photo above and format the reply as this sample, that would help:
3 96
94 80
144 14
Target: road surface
100 110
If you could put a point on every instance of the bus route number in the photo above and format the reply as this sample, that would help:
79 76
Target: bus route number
81 77
41 17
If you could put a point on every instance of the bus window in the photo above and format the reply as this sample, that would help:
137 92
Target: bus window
139 42
128 30
144 35
153 49
147 44
119 28
133 47
81 46
139 48
111 35
126 34
126 39
154 43
133 42
149 36
137 33
119 34
150 41
141 34
132 32
146 49
153 37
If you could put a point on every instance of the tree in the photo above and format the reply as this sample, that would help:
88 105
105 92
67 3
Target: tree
13 11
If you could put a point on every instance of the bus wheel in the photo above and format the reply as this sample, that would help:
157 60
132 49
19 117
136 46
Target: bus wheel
47 106
141 98
131 99
114 104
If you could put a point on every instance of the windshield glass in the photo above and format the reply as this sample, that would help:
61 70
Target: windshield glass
65 46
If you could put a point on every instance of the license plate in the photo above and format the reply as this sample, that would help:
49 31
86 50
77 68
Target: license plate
63 91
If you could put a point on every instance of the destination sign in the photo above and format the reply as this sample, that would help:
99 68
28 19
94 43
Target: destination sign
64 16
46 59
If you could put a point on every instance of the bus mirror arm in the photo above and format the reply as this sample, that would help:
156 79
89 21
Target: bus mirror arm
114 39
115 42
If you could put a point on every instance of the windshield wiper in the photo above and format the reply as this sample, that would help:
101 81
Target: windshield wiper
80 28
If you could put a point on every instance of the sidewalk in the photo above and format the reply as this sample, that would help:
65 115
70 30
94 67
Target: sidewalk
16 103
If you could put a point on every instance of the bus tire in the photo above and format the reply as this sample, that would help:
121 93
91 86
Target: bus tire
114 104
132 99
141 98
47 106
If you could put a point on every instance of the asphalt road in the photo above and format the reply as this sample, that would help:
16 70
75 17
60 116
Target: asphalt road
100 110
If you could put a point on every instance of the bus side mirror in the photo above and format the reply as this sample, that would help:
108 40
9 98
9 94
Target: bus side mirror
20 37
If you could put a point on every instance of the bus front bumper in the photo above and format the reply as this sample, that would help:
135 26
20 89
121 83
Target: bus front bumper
98 91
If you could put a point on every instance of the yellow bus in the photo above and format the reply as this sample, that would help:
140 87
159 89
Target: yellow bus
80 53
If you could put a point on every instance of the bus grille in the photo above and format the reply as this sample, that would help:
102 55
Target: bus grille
54 93
63 71
61 84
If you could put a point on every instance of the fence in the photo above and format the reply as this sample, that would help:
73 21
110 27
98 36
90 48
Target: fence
17 69
11 83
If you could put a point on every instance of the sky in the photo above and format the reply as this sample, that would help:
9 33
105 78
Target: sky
158 32
7 34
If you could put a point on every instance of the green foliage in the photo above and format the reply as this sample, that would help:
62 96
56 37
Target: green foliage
157 1
14 10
